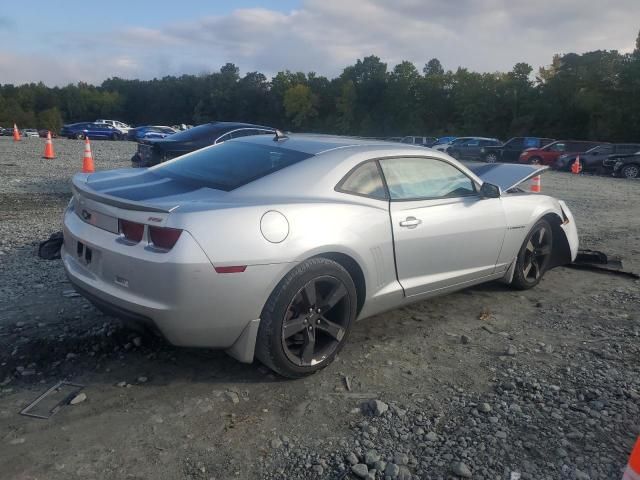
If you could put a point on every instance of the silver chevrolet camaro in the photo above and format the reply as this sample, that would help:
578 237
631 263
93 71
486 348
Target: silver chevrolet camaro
272 247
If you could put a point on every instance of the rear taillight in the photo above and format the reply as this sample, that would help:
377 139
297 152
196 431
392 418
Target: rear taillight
164 238
132 231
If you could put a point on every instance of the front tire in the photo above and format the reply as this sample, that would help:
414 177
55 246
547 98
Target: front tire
535 161
533 257
307 319
630 171
79 136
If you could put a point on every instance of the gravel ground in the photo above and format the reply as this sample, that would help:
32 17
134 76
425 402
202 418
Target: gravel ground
487 383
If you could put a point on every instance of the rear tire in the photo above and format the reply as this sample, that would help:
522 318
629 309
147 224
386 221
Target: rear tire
291 326
533 257
79 136
491 158
630 171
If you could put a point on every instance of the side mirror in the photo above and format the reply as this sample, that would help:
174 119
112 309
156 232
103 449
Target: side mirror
487 190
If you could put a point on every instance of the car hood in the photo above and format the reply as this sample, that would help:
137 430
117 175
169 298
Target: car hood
505 176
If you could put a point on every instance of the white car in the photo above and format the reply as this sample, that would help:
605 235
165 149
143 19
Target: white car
122 127
30 132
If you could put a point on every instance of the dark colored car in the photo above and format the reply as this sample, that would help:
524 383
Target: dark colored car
91 130
153 152
43 133
6 132
548 154
469 148
591 160
627 166
511 150
149 132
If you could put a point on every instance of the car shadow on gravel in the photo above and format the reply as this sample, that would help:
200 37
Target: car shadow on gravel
110 352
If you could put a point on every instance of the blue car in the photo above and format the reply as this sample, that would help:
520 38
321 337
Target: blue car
93 131
149 132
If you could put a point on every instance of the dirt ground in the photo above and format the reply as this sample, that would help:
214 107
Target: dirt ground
158 412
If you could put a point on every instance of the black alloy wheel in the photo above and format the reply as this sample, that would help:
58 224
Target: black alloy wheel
534 256
315 321
307 318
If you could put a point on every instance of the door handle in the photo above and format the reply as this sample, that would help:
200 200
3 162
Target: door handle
410 222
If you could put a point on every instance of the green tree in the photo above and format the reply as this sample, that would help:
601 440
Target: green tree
299 104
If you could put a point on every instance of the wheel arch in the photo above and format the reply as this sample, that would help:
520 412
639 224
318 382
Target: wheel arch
560 250
353 269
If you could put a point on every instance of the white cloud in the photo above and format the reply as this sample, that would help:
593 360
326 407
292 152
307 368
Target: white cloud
326 35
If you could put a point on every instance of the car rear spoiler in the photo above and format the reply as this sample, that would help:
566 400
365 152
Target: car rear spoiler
507 176
79 187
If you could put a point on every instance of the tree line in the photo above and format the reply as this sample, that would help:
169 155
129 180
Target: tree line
593 96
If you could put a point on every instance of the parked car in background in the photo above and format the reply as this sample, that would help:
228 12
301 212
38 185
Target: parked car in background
444 140
510 150
6 132
153 152
92 130
442 147
591 160
627 166
548 154
149 131
29 133
120 126
43 133
247 240
422 141
470 148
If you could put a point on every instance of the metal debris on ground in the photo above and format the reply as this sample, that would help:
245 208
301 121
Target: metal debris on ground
70 294
58 388
600 261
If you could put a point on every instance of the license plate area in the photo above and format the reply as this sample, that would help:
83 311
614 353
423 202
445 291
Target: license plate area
87 255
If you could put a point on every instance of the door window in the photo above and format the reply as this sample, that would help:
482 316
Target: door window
424 178
364 180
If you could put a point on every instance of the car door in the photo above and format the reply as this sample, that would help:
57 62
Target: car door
471 149
512 149
445 233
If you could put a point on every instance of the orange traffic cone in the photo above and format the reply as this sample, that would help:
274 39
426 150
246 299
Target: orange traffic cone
16 133
48 148
576 167
633 467
536 183
87 161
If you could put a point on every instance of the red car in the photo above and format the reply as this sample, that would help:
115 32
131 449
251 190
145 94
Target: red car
548 154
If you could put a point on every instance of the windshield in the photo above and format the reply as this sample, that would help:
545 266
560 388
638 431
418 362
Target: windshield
229 165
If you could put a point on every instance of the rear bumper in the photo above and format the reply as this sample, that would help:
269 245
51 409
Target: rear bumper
178 292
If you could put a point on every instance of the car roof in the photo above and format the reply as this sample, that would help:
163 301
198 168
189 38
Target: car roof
315 144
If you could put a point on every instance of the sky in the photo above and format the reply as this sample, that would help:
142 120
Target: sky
67 41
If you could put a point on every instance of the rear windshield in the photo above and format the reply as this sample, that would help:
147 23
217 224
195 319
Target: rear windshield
229 165
206 130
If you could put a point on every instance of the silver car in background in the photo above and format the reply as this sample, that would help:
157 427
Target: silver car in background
272 247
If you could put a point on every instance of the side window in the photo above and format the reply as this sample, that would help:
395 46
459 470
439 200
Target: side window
364 180
558 147
245 132
424 178
472 143
517 142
